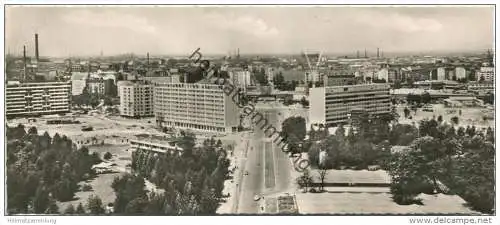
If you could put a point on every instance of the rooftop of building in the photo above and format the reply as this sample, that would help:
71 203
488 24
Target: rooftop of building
154 139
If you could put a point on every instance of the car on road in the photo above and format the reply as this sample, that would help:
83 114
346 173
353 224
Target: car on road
246 173
256 198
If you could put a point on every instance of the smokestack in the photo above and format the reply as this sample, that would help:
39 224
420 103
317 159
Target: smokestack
24 54
378 53
147 60
36 48
357 54
366 56
24 61
238 55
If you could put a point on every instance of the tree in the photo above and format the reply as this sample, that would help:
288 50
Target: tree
41 200
94 205
80 209
322 175
52 207
406 112
107 156
304 102
440 119
294 129
426 98
305 180
454 120
70 210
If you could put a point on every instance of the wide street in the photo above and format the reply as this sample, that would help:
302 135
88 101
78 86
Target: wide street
267 166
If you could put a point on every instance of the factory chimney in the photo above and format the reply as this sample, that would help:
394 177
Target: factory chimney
36 48
24 62
366 56
378 53
147 59
357 54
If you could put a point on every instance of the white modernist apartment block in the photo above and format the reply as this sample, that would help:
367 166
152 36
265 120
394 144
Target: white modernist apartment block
488 73
460 73
24 99
195 106
332 105
383 74
136 99
441 73
240 78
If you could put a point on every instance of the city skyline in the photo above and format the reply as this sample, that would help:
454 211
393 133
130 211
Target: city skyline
254 30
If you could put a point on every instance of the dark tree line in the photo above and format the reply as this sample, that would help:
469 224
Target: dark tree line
424 98
42 169
193 181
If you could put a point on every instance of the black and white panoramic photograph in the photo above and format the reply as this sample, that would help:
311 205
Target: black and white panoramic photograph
205 110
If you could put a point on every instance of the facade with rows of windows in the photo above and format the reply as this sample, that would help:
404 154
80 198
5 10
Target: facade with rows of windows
334 105
195 106
29 99
136 99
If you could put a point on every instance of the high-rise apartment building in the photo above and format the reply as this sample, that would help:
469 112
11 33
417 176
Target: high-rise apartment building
333 105
195 106
460 73
136 99
25 99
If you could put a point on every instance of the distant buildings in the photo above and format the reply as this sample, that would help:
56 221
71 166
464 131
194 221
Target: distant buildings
136 99
460 73
339 80
28 99
438 74
195 106
240 78
481 86
333 105
486 74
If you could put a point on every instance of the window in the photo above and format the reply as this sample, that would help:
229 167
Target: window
346 89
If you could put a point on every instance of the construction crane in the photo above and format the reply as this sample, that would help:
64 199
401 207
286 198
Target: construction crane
313 70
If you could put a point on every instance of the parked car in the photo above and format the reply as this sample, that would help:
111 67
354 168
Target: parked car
256 198
87 128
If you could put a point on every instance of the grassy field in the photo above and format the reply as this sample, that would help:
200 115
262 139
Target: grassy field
270 180
377 203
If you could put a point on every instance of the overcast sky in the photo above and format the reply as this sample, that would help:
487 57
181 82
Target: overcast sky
65 31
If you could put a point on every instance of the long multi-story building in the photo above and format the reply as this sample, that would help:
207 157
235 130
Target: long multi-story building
486 74
195 106
333 105
25 99
155 146
136 99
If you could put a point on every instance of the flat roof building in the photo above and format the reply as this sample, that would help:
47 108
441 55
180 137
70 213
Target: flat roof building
25 99
195 106
136 99
333 105
154 146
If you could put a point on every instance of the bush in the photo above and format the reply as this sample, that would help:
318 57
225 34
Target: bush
108 156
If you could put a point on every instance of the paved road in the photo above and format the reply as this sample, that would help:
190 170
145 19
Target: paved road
268 167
